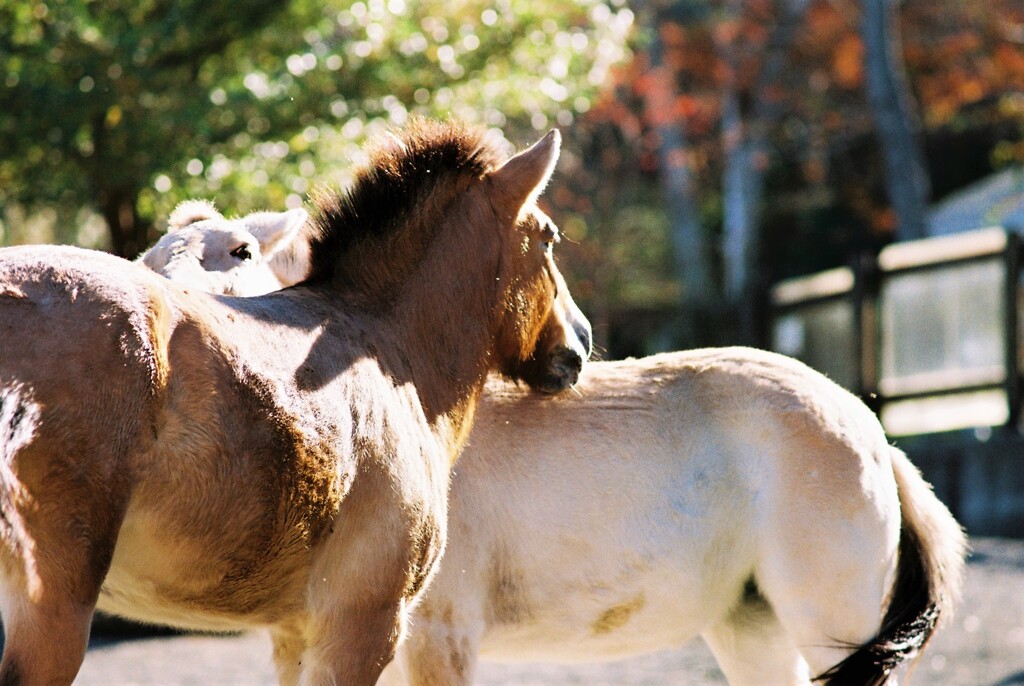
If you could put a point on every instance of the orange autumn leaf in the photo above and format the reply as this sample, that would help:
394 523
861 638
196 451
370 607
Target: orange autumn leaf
673 35
883 222
686 106
1010 60
848 62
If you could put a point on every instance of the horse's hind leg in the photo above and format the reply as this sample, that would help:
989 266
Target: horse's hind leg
47 610
833 603
827 571
442 647
57 547
48 597
752 648
45 637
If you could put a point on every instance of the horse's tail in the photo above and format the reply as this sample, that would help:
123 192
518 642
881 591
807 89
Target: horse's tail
929 576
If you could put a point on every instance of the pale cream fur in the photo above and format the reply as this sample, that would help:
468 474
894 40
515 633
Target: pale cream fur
251 255
634 515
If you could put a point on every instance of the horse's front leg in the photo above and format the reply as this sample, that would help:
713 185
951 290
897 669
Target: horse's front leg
289 645
364 575
336 645
351 645
442 647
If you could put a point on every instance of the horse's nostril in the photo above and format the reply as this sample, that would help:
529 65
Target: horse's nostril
561 371
570 360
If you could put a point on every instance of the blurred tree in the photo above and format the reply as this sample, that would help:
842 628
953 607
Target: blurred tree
758 112
896 117
692 249
127 107
751 107
98 95
610 209
749 101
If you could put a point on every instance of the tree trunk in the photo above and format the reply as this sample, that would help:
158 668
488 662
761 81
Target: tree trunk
742 181
739 220
898 128
744 139
689 241
129 236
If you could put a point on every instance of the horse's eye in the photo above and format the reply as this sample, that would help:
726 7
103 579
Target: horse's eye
242 252
549 234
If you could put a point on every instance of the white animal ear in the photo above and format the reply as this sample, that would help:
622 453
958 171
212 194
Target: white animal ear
275 230
523 178
191 211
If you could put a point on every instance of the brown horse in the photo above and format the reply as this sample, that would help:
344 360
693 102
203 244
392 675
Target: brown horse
280 461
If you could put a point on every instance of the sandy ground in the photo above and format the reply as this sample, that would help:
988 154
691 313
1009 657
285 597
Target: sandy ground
983 646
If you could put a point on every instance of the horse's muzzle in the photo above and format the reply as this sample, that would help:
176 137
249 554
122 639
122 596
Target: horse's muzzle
563 370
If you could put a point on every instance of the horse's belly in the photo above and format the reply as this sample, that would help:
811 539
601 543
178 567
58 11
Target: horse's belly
614 591
610 616
196 583
634 625
607 558
143 601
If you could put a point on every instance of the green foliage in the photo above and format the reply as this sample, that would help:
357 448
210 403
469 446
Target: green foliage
128 106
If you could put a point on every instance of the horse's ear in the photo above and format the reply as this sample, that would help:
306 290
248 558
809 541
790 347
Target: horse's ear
191 211
523 178
275 230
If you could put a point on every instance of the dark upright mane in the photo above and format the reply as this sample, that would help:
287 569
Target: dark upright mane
412 175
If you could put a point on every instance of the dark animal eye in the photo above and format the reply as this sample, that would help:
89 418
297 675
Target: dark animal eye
242 252
549 234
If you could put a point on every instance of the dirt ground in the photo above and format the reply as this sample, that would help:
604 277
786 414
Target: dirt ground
983 646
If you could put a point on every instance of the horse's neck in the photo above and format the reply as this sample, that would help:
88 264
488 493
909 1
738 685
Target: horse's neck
447 316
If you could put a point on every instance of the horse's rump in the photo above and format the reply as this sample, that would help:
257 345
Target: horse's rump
206 465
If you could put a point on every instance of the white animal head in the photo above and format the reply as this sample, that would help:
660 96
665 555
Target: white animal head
251 255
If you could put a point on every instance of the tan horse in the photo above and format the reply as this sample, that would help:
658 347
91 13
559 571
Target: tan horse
731 493
251 255
279 461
